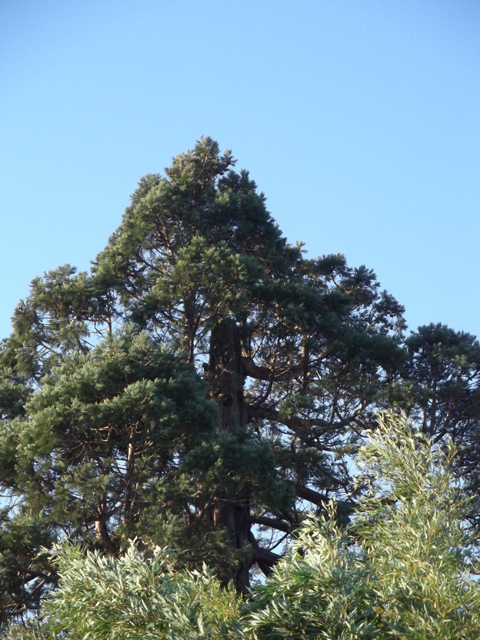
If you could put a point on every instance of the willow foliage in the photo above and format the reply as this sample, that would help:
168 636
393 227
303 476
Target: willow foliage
404 567
133 597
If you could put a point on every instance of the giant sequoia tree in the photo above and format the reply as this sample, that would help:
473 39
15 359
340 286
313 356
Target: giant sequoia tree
295 355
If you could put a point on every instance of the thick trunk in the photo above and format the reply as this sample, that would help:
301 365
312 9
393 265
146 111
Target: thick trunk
227 379
226 376
101 531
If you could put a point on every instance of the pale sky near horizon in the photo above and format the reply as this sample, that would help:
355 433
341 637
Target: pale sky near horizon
358 119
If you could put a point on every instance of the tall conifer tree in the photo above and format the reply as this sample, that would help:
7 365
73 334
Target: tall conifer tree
295 353
199 262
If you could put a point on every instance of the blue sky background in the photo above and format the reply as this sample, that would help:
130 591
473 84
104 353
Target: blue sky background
359 120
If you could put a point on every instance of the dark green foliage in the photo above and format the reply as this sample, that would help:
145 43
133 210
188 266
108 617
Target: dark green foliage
63 315
26 574
105 442
103 424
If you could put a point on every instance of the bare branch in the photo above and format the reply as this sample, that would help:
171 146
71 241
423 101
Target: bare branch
295 423
252 370
275 523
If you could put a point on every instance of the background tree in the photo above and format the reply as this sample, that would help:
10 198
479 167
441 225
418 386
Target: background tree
439 387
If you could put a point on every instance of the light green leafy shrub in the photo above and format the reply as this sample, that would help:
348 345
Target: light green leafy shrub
402 570
133 598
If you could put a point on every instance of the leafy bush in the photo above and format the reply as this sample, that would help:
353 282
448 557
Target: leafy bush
133 597
402 570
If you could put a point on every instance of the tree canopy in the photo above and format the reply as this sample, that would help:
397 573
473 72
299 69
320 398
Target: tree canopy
205 386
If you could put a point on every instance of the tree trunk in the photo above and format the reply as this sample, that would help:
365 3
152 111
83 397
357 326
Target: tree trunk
226 378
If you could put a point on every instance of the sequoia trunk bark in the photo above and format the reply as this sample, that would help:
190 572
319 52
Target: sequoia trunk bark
226 378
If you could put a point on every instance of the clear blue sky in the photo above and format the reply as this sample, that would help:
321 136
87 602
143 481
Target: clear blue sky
359 120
